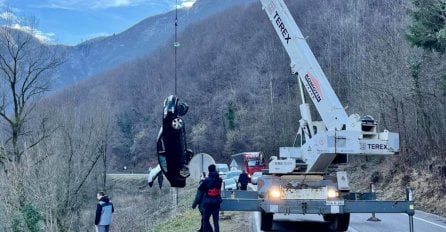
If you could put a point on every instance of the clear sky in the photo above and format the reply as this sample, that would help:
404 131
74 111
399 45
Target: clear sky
73 21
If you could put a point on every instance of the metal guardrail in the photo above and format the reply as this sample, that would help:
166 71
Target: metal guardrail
248 201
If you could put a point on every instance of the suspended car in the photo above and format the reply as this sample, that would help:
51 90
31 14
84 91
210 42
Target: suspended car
173 155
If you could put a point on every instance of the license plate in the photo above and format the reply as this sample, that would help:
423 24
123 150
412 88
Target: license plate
334 203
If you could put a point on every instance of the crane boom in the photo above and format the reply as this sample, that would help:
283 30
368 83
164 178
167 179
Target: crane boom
305 65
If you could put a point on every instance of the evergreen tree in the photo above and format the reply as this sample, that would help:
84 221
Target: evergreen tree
428 29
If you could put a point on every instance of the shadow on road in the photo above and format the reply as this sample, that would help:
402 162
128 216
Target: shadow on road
300 226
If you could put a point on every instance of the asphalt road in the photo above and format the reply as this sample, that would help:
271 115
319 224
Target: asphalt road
423 222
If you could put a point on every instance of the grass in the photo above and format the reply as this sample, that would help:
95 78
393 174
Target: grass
185 220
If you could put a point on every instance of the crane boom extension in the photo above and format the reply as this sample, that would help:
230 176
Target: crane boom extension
305 65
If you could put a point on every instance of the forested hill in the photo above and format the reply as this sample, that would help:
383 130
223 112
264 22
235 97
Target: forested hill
235 76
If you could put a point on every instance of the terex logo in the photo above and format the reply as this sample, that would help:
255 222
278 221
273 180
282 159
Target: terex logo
313 87
377 146
282 28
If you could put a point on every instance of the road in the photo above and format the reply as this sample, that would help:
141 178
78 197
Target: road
423 222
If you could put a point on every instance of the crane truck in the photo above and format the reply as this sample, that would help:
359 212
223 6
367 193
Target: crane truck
300 180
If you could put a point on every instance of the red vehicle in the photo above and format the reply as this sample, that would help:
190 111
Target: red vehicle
250 161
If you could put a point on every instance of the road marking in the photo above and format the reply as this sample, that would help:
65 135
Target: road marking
256 220
351 229
433 223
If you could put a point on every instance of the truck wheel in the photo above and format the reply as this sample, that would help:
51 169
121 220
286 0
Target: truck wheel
266 220
343 222
337 222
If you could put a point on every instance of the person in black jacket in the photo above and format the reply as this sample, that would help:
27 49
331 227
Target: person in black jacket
104 210
211 186
243 180
199 200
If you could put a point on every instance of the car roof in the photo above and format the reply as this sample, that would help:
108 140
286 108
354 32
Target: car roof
235 171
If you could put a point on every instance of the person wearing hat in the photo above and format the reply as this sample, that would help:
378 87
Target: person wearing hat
211 186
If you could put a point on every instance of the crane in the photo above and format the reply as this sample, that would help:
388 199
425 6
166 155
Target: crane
299 181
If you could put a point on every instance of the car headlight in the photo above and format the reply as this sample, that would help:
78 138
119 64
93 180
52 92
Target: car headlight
275 193
332 193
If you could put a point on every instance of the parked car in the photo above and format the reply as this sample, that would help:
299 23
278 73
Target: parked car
255 176
233 174
222 169
229 184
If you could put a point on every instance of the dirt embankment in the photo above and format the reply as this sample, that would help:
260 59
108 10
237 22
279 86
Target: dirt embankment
391 183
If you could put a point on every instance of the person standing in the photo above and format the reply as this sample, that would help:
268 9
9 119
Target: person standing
243 180
199 200
211 186
104 210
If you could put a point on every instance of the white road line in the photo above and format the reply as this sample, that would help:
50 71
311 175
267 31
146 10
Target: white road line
433 223
351 229
256 221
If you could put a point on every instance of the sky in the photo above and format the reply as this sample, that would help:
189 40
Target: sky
71 22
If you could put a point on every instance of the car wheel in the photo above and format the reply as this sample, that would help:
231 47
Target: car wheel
182 109
177 123
184 172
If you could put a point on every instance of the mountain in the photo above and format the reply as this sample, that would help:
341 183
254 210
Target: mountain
96 55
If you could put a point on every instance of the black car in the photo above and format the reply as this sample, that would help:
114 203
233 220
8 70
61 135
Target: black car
173 155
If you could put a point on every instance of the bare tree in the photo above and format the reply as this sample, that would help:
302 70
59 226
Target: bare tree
26 66
25 70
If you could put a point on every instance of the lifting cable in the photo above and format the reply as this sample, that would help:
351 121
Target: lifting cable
176 44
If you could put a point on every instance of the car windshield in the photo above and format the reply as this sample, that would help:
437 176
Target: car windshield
252 163
233 174
257 174
229 181
222 168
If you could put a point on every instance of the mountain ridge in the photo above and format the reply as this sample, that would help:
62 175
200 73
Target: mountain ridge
100 54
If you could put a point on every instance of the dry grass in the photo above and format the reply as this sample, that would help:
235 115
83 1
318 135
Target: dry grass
137 206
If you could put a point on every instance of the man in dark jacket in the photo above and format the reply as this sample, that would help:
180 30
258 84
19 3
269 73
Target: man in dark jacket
199 200
243 180
104 210
211 186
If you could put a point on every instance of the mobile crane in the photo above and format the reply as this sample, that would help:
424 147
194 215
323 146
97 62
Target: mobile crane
299 181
